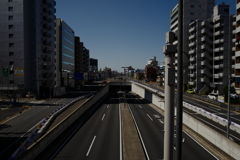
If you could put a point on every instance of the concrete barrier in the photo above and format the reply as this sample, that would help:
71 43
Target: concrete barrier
37 147
219 140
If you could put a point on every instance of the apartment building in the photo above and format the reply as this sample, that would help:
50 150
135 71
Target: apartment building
93 65
209 47
192 11
65 55
237 48
27 46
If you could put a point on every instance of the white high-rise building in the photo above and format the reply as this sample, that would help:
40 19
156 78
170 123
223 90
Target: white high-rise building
192 11
237 48
27 46
209 51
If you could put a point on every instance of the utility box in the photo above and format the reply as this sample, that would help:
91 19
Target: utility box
170 37
169 48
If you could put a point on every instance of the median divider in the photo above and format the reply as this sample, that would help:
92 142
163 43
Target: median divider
41 143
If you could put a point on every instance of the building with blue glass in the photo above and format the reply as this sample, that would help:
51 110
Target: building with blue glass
64 55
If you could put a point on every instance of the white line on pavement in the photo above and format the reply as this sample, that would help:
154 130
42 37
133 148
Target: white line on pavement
91 146
146 153
140 106
149 117
200 144
103 117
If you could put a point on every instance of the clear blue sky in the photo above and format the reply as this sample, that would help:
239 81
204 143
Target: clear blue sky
121 33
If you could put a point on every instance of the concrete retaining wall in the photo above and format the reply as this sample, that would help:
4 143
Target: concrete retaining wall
50 136
211 135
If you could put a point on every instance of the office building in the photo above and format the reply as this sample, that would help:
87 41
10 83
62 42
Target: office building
65 55
27 46
93 65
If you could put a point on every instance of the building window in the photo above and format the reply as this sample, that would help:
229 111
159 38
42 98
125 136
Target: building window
10 35
192 6
11 54
11 44
11 82
10 26
11 72
11 63
192 13
10 9
10 17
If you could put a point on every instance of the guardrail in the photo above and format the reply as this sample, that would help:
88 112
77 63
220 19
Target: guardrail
41 128
40 144
233 126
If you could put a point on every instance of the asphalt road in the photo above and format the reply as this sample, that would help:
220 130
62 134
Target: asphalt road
150 124
17 129
99 137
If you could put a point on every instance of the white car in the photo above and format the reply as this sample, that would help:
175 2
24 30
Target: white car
212 96
233 96
30 94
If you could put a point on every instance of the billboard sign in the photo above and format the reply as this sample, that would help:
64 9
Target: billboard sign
18 71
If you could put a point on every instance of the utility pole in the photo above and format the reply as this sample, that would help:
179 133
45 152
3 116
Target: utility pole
169 51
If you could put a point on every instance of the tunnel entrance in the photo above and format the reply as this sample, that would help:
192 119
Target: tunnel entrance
120 88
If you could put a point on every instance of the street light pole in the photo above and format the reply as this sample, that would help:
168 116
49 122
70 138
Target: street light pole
179 82
38 92
169 51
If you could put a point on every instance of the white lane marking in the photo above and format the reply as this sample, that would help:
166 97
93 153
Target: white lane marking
120 130
149 117
161 121
200 144
107 106
183 140
140 106
230 138
156 116
103 117
91 146
139 134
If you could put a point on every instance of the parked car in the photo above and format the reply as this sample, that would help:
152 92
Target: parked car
212 96
30 95
233 96
190 91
